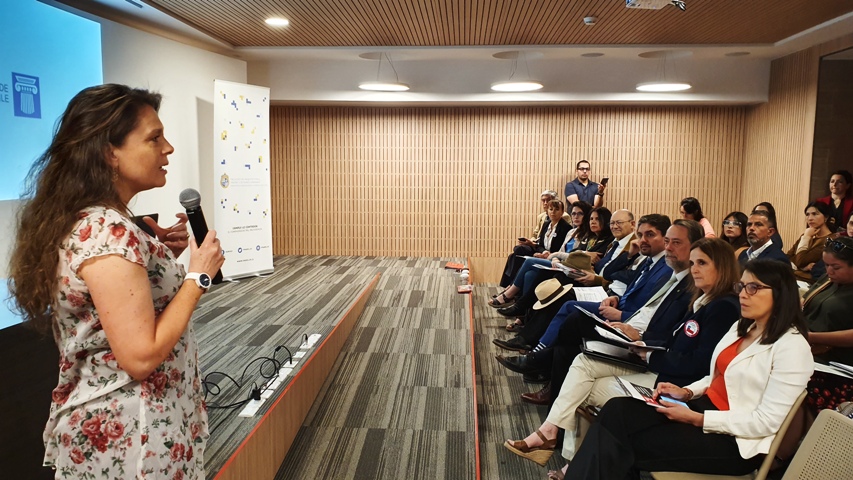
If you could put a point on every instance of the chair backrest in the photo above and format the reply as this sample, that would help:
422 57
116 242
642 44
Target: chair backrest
774 447
762 472
825 452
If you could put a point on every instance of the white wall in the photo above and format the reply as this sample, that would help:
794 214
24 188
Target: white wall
184 75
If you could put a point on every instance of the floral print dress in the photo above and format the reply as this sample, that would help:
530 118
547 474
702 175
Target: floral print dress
103 423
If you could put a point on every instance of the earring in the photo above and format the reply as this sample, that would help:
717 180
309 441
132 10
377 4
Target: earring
115 174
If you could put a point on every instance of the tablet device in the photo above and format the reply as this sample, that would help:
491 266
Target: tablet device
613 354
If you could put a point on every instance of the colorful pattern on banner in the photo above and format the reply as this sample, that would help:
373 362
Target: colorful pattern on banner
241 153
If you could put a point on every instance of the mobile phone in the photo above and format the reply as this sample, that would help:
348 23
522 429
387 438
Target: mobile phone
662 399
604 180
522 239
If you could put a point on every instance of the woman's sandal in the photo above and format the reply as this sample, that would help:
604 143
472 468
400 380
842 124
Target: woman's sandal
539 454
498 303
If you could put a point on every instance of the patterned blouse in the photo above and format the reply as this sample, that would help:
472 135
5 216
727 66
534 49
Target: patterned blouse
103 423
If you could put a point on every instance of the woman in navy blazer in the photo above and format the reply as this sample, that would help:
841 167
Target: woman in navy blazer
765 362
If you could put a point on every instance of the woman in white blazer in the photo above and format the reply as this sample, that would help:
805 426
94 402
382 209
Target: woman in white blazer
730 419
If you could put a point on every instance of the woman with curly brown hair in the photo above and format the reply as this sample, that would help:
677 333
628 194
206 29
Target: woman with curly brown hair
129 402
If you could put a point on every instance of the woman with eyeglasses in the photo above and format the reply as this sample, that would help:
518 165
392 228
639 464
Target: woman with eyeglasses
734 231
691 210
689 346
809 248
731 416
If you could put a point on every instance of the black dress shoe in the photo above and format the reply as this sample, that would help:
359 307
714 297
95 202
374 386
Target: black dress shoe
542 397
538 378
523 363
513 311
515 344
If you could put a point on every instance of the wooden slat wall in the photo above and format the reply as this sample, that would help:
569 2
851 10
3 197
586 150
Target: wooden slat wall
465 181
779 138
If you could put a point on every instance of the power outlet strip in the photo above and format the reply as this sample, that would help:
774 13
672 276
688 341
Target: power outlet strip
286 369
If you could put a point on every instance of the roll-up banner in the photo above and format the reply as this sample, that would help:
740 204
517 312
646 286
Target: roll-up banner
241 170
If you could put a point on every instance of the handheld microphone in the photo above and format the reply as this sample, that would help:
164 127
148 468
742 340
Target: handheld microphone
191 201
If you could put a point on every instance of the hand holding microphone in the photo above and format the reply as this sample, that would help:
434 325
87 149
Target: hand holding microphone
191 201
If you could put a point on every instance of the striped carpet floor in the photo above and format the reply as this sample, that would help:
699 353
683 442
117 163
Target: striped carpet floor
399 401
501 412
241 321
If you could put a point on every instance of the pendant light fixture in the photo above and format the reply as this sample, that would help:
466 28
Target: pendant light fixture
379 85
521 84
667 81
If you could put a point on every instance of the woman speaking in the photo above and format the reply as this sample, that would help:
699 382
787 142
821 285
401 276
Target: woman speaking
129 402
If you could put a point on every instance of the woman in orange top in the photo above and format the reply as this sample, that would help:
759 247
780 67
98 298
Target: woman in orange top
757 371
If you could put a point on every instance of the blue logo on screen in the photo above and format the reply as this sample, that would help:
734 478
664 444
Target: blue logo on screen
26 95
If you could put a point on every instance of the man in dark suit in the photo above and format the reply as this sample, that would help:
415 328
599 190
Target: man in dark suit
759 228
655 319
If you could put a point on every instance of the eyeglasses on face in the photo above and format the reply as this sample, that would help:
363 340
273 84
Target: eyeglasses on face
585 169
836 245
751 288
731 223
577 214
617 223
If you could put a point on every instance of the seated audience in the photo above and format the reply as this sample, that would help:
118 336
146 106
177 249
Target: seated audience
551 238
809 248
528 276
827 308
840 199
613 262
771 211
689 348
759 230
734 231
655 320
732 415
691 210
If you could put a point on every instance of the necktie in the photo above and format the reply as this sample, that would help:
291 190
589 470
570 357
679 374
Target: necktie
599 266
660 294
647 265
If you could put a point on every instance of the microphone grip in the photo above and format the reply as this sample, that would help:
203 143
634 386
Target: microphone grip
199 228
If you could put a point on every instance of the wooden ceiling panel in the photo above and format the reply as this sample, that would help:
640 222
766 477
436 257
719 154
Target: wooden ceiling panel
342 23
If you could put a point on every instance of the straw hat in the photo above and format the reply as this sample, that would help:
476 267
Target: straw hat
549 292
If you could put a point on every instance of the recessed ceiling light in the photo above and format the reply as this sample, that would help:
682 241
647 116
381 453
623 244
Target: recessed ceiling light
526 86
592 55
659 87
384 86
277 22
737 54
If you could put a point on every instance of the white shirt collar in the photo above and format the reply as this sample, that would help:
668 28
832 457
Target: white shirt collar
755 253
